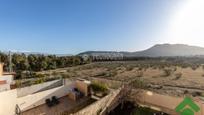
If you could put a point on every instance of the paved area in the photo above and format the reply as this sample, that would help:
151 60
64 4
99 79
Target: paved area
65 105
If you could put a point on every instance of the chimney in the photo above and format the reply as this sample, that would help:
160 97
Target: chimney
1 69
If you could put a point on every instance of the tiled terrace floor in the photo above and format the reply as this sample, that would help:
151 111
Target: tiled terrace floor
65 105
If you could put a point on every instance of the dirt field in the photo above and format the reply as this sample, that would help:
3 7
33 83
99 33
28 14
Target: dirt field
163 78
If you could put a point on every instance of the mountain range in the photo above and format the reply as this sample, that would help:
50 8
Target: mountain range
35 53
159 50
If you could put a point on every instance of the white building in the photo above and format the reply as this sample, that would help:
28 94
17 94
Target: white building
6 79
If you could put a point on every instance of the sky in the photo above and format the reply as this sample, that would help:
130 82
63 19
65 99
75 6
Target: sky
74 26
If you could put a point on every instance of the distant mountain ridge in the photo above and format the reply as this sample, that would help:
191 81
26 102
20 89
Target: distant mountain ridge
34 53
159 50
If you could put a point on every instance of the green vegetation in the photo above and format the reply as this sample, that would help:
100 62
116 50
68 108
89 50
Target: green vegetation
142 111
138 83
139 74
167 72
38 62
101 74
129 68
111 73
37 80
99 87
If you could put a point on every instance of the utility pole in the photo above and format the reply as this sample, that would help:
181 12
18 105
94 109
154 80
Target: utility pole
10 62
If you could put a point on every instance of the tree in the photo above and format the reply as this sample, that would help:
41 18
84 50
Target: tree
4 59
39 62
20 62
32 60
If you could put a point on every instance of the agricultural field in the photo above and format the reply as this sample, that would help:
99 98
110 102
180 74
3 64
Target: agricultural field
161 77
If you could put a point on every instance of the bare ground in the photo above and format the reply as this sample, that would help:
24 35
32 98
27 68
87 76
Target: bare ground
177 81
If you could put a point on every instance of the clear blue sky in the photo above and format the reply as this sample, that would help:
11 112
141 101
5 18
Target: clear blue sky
73 26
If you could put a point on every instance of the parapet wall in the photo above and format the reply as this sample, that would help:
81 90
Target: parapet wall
38 88
34 100
1 69
161 102
98 106
8 102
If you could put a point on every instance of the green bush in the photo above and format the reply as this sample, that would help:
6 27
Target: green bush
111 73
99 87
18 83
138 83
167 72
40 75
39 80
129 68
142 111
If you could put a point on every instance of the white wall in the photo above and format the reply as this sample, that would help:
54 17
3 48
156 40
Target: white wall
8 79
34 88
33 100
4 87
8 102
9 99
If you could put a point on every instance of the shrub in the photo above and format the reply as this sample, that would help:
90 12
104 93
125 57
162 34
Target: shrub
138 83
139 74
154 67
100 74
186 92
140 68
65 75
175 68
178 76
194 67
54 73
196 93
111 74
202 75
40 75
39 80
129 68
68 70
18 83
167 72
99 111
184 66
142 111
99 87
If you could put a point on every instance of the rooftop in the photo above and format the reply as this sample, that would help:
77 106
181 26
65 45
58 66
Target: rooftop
65 106
3 82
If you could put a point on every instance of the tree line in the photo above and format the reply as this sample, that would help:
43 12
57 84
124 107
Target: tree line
39 62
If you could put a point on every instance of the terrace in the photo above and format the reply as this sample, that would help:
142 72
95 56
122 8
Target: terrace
67 98
66 105
53 98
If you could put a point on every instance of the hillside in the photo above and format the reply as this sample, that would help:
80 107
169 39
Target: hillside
157 51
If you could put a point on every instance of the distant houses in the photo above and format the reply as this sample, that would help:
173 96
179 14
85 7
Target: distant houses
104 56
